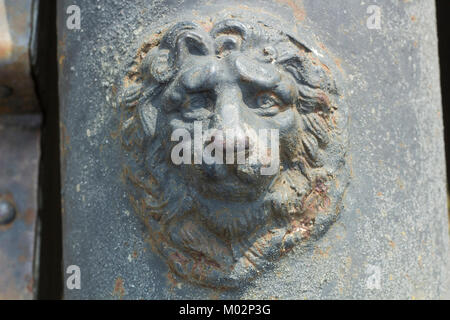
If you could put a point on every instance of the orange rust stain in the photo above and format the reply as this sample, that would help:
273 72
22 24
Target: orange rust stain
392 244
134 73
7 227
214 296
119 290
321 45
30 216
338 63
30 283
323 253
6 50
207 25
171 277
297 8
413 18
62 43
61 60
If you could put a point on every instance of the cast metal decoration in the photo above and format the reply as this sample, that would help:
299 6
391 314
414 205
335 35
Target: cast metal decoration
221 225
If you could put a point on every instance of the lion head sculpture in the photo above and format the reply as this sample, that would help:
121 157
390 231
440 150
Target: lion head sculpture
216 224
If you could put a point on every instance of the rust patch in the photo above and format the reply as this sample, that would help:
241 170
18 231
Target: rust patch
119 290
19 150
61 60
392 244
323 253
207 25
30 216
297 8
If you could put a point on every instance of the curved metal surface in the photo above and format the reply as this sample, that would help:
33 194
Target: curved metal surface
390 239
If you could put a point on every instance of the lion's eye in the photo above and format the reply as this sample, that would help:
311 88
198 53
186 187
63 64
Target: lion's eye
268 104
267 101
198 100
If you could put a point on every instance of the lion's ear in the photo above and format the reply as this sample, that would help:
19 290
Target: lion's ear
157 66
193 43
304 70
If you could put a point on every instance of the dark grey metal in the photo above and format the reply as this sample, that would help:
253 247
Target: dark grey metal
123 78
5 91
222 224
19 168
19 151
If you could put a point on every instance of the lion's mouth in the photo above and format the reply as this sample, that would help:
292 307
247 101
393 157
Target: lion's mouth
232 181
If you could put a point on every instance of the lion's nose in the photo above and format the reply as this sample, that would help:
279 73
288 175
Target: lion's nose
230 115
233 136
229 119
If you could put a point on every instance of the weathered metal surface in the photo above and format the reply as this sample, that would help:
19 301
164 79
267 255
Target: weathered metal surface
17 20
227 222
19 151
19 167
390 239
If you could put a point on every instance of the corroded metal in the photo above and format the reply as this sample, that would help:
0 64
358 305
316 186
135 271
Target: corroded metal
17 23
19 151
19 167
221 224
139 226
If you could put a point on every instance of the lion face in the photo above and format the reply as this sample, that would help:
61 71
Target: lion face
220 222
237 94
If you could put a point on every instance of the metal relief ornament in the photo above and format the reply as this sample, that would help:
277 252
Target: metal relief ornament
219 224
